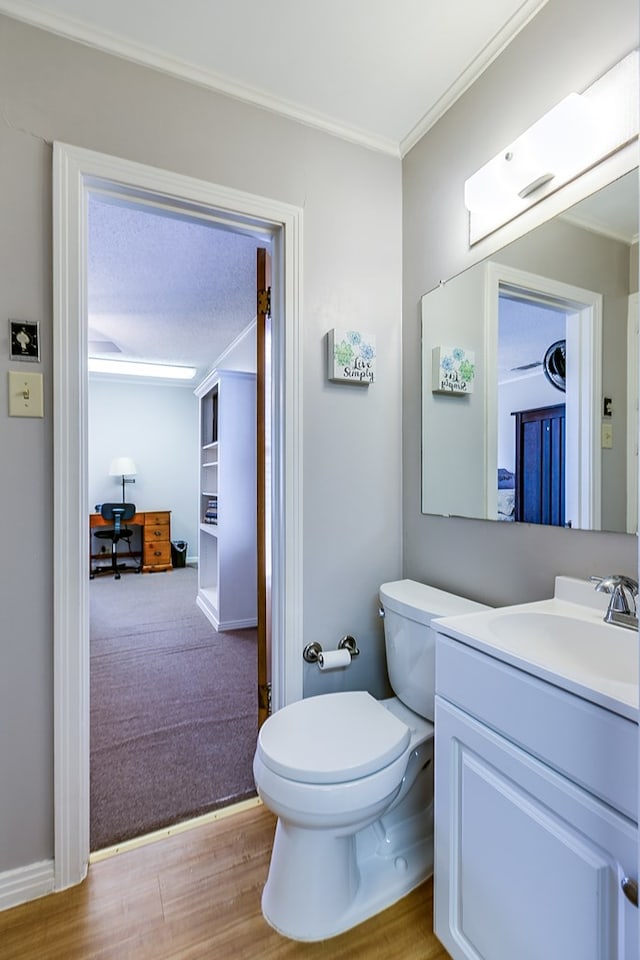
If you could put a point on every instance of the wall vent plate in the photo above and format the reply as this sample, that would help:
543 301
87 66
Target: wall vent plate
24 340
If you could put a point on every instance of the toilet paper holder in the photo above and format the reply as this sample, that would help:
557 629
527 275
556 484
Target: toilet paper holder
313 651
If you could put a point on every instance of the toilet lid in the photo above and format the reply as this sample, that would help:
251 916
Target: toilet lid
332 738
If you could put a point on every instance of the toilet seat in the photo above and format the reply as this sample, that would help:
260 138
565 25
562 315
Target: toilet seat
332 738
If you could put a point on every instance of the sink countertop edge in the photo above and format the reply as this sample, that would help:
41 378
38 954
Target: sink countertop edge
471 628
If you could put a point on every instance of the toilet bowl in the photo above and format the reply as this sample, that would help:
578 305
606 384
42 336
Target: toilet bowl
324 793
350 779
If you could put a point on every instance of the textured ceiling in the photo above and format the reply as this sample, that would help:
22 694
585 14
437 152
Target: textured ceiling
162 288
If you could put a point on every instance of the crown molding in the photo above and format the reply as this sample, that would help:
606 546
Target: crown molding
593 226
106 42
491 51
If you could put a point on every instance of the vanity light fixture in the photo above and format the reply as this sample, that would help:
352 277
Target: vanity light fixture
136 368
548 150
571 138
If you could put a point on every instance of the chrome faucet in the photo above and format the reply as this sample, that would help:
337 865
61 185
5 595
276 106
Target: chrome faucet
622 609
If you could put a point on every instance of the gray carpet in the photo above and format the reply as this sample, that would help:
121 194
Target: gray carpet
173 706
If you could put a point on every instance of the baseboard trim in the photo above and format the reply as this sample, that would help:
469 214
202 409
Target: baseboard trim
26 883
221 626
225 625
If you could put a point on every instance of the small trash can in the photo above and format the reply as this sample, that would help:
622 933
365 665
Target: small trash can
179 553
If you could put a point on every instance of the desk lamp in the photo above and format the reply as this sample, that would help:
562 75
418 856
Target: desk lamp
123 467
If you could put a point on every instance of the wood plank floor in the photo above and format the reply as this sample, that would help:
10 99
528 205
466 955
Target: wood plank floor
197 895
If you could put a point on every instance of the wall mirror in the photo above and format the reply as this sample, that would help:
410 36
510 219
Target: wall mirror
530 375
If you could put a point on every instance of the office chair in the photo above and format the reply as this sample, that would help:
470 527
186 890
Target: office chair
118 514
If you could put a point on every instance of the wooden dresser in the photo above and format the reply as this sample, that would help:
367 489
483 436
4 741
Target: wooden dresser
156 548
155 528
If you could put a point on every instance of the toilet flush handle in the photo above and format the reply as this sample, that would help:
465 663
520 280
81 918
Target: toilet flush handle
630 890
381 612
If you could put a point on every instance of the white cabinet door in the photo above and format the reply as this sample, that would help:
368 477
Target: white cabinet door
527 865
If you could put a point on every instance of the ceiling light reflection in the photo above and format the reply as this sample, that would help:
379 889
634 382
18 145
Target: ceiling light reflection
134 368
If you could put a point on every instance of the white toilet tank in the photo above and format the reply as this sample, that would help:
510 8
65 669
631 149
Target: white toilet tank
409 607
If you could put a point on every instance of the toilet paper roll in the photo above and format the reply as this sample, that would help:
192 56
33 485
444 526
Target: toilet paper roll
334 659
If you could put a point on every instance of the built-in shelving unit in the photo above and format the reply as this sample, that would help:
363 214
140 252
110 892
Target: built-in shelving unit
227 568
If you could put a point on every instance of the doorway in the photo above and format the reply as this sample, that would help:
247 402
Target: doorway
173 702
532 375
76 172
582 311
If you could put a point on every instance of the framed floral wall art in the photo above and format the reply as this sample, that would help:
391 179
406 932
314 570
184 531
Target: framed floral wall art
351 357
453 370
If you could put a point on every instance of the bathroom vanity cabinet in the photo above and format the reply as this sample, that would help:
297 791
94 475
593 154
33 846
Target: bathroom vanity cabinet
535 800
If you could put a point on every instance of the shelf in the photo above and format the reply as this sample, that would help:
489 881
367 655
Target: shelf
227 566
210 528
210 595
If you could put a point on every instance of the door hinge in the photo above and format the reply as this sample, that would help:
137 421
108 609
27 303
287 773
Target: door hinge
264 301
264 697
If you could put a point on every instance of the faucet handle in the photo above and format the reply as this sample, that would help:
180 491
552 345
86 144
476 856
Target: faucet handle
623 589
608 584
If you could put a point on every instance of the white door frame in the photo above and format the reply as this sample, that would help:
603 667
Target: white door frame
75 173
584 390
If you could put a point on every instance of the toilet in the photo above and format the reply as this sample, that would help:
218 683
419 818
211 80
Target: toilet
350 779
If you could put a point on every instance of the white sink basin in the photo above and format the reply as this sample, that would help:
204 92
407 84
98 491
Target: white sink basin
592 649
562 641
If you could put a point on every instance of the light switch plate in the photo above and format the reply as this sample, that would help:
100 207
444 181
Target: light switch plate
25 394
607 436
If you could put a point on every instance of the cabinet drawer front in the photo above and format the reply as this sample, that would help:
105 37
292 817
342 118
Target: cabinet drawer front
155 519
506 699
156 532
157 552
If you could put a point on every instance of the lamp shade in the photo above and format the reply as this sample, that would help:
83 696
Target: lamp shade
122 466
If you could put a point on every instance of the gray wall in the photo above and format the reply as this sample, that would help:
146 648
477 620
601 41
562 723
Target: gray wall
124 420
568 45
453 434
53 89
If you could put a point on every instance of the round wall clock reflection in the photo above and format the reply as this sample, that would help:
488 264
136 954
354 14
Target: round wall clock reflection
555 364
